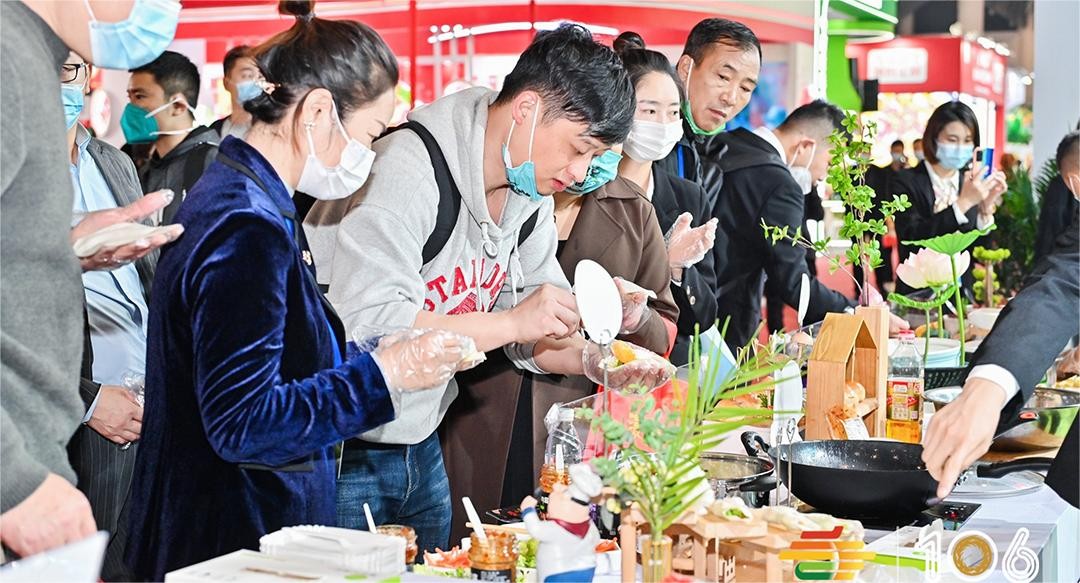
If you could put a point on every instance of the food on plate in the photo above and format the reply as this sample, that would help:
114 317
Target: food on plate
455 558
623 351
606 546
1072 382
734 509
622 366
795 521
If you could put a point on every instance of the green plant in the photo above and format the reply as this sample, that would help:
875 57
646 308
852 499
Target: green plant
986 278
847 178
657 465
1018 222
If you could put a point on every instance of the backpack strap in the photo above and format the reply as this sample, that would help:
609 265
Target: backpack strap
449 195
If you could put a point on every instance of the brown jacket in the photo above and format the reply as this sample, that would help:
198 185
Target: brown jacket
617 228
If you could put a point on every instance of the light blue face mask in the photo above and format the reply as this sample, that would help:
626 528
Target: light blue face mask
602 170
136 40
522 178
72 98
248 90
954 156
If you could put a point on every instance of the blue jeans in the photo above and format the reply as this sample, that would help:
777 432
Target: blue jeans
402 484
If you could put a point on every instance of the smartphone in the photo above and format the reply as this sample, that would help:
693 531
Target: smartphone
505 515
985 157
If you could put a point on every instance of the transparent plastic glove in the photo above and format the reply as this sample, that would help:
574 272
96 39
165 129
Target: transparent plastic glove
634 305
644 373
420 359
688 246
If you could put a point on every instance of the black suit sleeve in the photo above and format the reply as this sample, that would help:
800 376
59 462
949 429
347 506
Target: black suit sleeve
1037 323
786 263
1057 213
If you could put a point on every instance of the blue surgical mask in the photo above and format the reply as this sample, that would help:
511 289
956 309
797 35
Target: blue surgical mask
248 90
136 40
602 170
522 178
954 156
72 98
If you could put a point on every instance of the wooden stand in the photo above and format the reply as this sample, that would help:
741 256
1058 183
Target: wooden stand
845 350
753 546
877 322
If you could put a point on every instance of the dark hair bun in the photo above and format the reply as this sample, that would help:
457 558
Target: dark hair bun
628 40
299 8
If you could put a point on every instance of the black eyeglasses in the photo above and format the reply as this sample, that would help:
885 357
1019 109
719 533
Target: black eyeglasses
70 72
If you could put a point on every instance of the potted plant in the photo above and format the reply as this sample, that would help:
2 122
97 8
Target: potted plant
847 179
654 457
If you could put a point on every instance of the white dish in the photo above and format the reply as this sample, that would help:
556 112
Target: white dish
114 236
984 317
598 301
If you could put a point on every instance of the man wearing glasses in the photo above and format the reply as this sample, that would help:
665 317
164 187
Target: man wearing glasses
116 311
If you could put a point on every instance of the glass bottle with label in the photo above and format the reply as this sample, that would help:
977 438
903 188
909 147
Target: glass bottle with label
903 391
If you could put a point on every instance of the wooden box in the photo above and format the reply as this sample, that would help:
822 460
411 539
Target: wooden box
844 350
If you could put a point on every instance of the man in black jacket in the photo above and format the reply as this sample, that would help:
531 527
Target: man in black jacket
760 184
163 95
719 67
1028 335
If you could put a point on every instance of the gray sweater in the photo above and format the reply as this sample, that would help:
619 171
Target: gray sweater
368 247
40 287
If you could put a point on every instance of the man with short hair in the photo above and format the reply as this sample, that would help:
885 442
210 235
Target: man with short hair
163 95
1028 335
240 71
767 174
394 258
916 149
116 309
719 68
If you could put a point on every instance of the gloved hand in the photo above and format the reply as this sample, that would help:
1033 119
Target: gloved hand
634 305
645 372
688 246
419 359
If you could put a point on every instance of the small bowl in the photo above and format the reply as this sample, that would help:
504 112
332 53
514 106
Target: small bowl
942 396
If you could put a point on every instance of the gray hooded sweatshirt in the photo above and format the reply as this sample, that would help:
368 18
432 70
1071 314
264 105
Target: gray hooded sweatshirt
368 248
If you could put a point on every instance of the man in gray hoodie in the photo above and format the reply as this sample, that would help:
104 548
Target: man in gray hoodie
494 275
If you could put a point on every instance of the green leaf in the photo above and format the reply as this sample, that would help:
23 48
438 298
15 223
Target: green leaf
952 243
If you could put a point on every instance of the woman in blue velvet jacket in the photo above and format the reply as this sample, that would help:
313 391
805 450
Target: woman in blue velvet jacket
248 387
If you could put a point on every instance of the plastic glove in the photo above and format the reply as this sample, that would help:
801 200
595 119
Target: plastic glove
634 305
688 246
646 372
420 359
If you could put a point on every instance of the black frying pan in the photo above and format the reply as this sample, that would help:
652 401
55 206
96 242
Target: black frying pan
863 478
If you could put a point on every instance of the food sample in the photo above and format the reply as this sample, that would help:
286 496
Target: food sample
1072 382
623 352
733 509
405 532
795 521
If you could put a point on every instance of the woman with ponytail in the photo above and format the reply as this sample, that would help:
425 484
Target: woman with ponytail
681 205
249 385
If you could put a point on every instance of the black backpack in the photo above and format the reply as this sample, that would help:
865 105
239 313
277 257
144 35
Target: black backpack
449 195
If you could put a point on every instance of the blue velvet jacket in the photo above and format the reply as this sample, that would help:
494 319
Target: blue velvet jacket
243 399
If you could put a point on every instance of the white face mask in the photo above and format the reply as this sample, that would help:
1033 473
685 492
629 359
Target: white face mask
342 180
650 141
801 174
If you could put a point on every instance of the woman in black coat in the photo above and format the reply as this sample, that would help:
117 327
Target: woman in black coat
945 197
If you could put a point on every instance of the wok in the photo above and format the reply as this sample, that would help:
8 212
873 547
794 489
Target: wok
864 479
